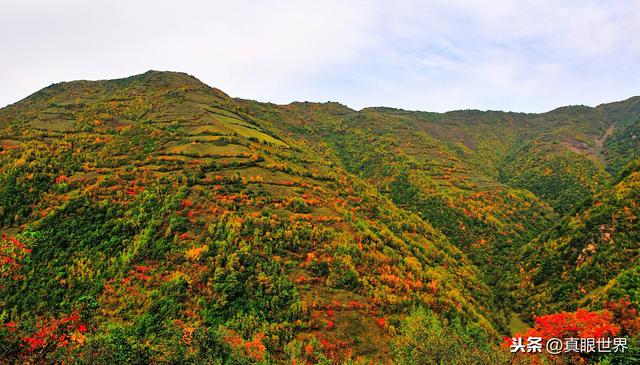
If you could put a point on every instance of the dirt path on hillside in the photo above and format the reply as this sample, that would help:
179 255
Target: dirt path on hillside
607 134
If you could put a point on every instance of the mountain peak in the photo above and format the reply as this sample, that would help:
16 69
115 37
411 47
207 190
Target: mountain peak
144 82
167 78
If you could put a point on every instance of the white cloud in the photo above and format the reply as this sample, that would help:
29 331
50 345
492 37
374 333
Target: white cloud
437 55
253 49
517 55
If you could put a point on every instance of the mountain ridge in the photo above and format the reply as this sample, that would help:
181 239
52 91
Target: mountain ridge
187 76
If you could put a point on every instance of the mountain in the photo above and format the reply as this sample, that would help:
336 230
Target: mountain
156 219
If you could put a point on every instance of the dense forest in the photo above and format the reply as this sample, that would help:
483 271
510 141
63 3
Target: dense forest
154 219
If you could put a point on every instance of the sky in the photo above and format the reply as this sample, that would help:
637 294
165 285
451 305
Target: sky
529 56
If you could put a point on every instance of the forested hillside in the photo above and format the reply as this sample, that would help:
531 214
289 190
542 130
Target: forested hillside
154 219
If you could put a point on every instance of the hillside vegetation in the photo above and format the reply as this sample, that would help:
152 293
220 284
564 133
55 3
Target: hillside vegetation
154 219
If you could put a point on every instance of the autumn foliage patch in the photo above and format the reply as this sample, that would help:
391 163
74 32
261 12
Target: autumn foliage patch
13 254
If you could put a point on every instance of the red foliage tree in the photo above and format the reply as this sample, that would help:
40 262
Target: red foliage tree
625 315
56 338
581 323
13 254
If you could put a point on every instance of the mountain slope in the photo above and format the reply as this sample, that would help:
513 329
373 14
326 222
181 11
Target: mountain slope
155 218
155 206
465 172
590 256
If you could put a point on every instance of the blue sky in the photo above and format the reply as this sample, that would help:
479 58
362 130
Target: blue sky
527 56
